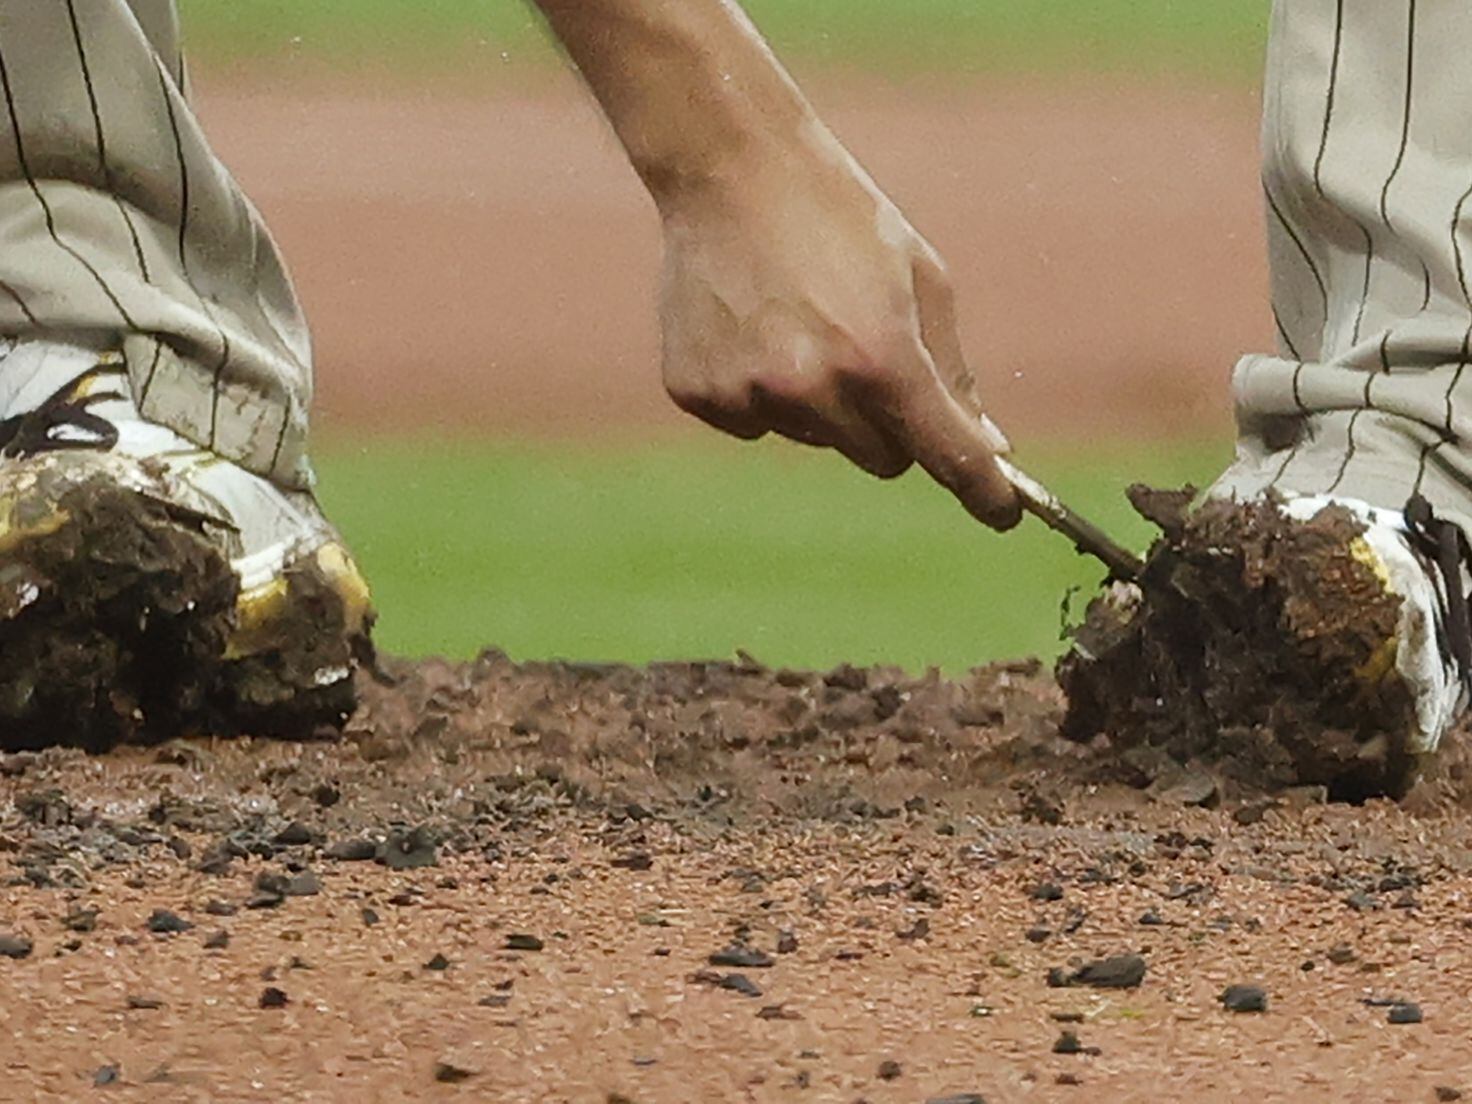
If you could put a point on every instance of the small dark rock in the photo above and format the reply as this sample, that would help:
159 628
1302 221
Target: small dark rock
521 941
1447 1094
495 1000
1039 934
216 862
220 908
737 954
295 834
1404 1013
305 884
352 850
107 1075
144 1004
217 941
1341 954
438 962
959 1098
409 850
165 922
1068 1043
890 1070
1066 1017
448 1073
1244 998
369 917
777 1012
271 997
786 943
639 860
1047 891
1067 1079
1118 972
740 983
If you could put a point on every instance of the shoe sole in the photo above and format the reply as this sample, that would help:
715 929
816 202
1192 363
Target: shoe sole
122 620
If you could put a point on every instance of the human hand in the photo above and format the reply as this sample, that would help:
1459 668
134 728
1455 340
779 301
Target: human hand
798 300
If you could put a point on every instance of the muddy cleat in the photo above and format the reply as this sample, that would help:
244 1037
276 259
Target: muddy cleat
1298 640
148 587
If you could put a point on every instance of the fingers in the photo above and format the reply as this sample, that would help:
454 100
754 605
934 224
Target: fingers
957 448
827 422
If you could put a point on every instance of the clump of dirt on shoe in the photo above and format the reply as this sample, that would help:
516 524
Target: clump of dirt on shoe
1256 648
114 628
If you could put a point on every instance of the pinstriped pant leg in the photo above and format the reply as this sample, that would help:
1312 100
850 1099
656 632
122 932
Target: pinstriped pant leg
116 217
1367 174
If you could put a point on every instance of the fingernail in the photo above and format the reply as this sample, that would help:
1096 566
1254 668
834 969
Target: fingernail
996 440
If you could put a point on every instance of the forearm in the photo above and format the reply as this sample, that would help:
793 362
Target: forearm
691 89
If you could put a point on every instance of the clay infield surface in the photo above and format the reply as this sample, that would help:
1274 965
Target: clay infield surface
719 881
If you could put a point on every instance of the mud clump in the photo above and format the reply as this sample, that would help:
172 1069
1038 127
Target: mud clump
116 615
1256 643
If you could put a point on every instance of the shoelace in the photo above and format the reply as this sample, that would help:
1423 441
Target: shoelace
34 431
1445 544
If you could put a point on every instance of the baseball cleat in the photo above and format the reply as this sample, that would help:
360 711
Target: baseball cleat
1302 639
148 587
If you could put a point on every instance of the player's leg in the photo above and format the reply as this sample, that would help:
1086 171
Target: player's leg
154 381
1367 176
1344 635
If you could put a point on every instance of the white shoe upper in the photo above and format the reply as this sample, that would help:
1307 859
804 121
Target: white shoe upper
263 526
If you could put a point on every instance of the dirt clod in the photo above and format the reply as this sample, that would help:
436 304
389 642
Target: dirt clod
1404 1013
742 956
447 1073
1245 998
1259 646
164 922
1118 972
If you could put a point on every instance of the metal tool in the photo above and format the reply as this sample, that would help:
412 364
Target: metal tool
1088 538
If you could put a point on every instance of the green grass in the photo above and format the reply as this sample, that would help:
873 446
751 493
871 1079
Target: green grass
1190 36
693 550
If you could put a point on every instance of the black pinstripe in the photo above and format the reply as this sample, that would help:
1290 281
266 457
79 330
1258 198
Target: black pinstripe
1298 243
1330 99
47 213
158 348
281 436
1288 343
103 167
224 361
1400 158
19 302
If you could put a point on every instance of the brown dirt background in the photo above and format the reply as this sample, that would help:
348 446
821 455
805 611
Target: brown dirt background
485 260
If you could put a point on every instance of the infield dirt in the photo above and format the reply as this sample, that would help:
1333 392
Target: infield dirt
717 882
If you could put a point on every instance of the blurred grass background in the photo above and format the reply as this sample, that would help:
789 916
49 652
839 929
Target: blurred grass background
694 547
1222 37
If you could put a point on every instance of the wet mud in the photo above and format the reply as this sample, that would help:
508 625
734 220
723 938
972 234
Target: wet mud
1257 645
117 614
